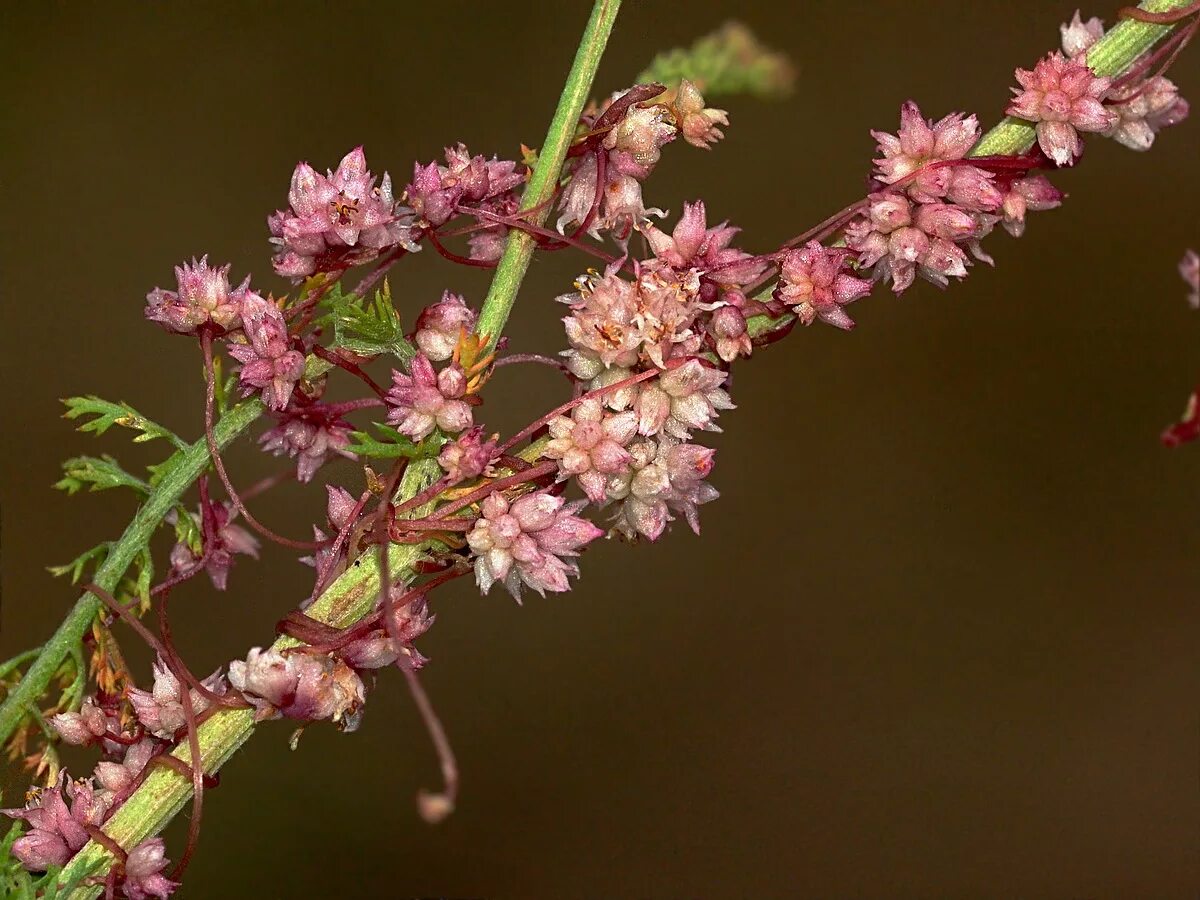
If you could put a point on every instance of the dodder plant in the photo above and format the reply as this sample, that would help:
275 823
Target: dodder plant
651 331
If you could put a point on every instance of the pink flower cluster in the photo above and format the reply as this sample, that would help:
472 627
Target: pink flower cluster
338 220
604 192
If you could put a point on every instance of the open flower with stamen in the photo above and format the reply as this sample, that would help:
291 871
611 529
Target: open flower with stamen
1063 97
528 541
203 298
590 445
693 245
337 220
427 399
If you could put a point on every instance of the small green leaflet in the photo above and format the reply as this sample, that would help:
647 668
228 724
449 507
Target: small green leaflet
97 474
394 444
368 327
107 414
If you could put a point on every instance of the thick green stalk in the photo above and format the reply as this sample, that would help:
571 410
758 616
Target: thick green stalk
165 495
165 792
1110 56
518 250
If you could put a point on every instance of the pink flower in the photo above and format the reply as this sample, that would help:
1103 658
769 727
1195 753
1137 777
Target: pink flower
377 649
160 710
337 220
1063 96
436 190
693 245
143 872
117 777
901 241
1078 35
697 124
815 281
1189 269
665 476
621 205
683 399
528 541
222 541
468 456
304 686
427 399
311 434
641 134
204 297
57 831
729 333
1143 109
590 445
1033 192
919 143
440 325
86 727
268 361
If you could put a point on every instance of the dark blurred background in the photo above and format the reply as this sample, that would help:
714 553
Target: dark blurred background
938 638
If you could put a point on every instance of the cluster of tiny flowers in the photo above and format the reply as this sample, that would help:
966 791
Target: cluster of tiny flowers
62 817
427 399
604 191
528 542
338 220
1142 107
488 185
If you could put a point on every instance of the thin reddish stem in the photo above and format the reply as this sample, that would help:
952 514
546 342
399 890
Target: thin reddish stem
354 369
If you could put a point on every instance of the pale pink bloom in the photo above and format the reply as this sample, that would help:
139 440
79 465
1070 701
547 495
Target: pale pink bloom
1033 192
223 539
920 142
692 244
143 872
468 456
683 399
88 726
57 830
665 476
816 282
697 124
528 541
303 686
1078 35
427 399
590 445
436 190
118 777
728 330
378 649
1143 109
269 362
160 710
1063 96
440 325
203 297
642 133
338 219
901 240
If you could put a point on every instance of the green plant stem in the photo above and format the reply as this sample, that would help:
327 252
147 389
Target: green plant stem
1111 56
165 791
166 494
519 247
